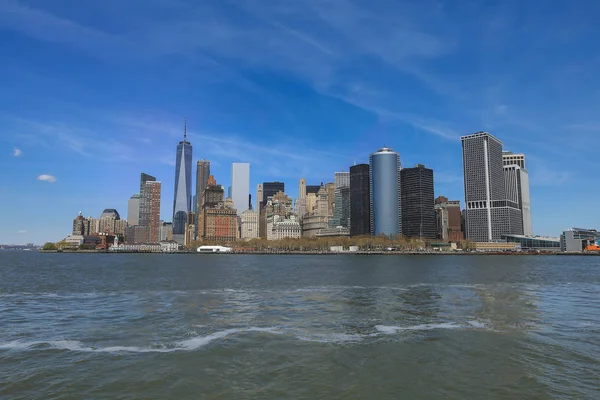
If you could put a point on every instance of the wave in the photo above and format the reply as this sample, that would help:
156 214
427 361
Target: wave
186 345
201 341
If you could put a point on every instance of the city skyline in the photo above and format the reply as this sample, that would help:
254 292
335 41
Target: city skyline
79 124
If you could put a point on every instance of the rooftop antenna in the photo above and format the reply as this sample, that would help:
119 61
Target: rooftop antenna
185 128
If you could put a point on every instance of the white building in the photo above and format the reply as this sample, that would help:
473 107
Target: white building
249 224
516 180
240 186
280 228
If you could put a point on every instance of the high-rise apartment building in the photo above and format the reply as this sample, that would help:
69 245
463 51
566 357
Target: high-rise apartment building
489 213
517 186
417 203
384 178
240 186
202 174
133 210
81 225
150 210
182 198
448 219
360 200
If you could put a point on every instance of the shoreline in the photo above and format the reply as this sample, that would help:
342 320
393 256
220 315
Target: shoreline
329 253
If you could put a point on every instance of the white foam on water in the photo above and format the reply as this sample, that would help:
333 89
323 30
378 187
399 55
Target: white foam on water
390 330
199 341
477 324
329 337
186 345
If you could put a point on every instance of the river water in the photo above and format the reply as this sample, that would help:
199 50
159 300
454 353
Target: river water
142 326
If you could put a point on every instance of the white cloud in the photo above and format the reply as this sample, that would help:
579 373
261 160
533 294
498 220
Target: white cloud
17 152
47 178
22 231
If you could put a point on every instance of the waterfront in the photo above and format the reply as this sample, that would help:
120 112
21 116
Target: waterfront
251 326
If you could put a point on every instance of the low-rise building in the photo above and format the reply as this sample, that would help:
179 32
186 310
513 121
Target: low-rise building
576 239
338 231
534 243
281 228
496 246
312 224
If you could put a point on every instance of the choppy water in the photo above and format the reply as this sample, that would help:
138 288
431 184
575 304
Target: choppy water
298 327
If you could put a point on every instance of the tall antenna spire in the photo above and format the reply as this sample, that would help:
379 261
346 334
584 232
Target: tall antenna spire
185 128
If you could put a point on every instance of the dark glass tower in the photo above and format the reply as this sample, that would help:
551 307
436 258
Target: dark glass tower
270 189
360 203
183 187
417 202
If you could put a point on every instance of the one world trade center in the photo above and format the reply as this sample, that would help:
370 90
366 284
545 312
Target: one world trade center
182 200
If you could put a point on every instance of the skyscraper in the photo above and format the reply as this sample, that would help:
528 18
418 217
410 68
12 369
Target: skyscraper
302 188
385 202
416 201
150 201
341 207
517 180
240 186
202 174
259 196
489 213
145 209
182 198
360 203
133 210
341 179
510 158
270 189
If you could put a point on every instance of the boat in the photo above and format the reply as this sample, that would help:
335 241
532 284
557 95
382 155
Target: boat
214 249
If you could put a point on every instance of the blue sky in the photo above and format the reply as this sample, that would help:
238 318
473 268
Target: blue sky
93 94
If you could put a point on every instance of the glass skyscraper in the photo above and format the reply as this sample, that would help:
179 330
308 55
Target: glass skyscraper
360 200
182 199
417 202
385 189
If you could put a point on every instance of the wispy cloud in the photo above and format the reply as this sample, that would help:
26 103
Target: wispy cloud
22 231
46 178
17 152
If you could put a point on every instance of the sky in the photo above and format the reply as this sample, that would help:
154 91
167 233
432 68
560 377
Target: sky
93 93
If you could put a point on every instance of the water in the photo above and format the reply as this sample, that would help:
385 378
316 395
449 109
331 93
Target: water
147 326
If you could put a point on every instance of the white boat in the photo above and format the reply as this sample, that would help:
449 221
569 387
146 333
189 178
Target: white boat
214 249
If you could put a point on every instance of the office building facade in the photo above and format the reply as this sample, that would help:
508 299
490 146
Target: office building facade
448 219
360 200
417 202
516 180
182 197
133 210
384 166
249 224
240 186
489 213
